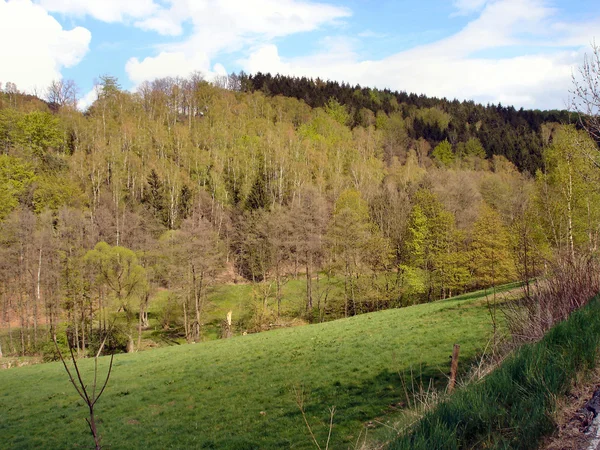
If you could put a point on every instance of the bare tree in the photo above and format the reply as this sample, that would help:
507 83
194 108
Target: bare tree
90 395
586 94
62 93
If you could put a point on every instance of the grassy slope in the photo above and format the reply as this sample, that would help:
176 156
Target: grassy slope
237 393
512 407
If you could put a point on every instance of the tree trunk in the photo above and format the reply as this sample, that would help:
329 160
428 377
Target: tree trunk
38 298
22 328
186 323
143 319
570 216
309 295
139 341
130 345
278 293
198 286
346 291
228 333
77 336
83 330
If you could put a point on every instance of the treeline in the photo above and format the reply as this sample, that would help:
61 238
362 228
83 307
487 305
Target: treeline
503 130
185 184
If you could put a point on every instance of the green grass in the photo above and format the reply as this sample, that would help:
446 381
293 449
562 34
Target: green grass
512 407
237 393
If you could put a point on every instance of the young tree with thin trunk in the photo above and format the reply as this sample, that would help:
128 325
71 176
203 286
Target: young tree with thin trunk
568 191
90 394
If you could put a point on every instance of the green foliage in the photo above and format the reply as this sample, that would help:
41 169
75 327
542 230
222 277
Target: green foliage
110 85
337 111
9 118
118 269
16 176
512 407
258 197
443 154
491 257
434 117
356 243
156 197
417 236
53 192
352 201
473 147
568 193
414 282
433 245
39 131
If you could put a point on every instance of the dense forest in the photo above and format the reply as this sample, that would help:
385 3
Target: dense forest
504 131
393 198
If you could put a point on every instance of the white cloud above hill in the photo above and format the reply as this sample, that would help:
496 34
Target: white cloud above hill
467 65
35 47
224 26
518 52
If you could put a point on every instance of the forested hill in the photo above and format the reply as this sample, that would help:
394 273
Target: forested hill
502 130
185 185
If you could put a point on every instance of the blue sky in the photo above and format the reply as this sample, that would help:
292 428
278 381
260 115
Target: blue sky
519 52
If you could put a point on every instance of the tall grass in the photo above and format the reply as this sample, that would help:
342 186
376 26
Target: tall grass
570 285
511 407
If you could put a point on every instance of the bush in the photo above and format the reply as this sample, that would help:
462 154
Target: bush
569 286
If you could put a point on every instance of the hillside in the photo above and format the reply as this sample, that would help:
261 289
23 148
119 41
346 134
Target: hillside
237 393
163 196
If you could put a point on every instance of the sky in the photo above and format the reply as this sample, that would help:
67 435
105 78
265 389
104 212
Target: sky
514 52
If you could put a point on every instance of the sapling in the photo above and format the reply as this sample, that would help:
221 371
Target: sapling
89 395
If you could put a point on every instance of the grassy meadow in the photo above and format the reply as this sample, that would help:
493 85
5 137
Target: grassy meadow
239 393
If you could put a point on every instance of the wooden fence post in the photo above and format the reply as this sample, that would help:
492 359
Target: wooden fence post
453 367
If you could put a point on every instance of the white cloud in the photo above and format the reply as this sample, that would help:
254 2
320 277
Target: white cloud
104 10
219 70
222 26
454 67
166 64
87 100
263 17
466 65
35 47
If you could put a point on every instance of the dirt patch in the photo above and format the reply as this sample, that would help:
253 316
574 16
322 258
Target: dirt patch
572 419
